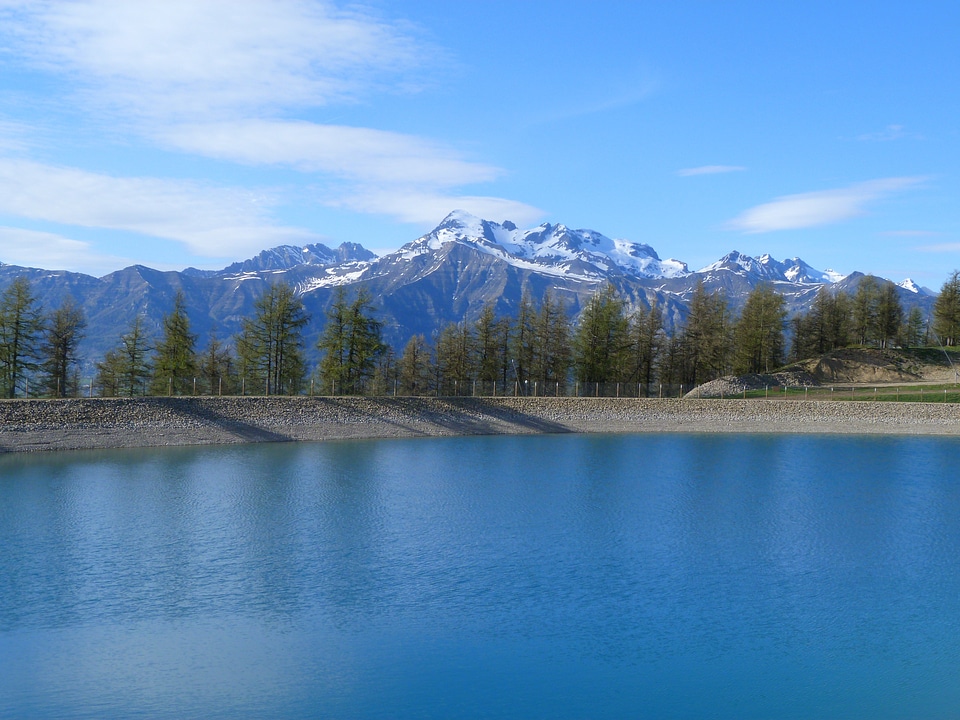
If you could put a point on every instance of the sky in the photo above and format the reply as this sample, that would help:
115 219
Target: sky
176 133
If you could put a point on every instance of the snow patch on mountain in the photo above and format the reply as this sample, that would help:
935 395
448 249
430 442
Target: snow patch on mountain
765 267
549 249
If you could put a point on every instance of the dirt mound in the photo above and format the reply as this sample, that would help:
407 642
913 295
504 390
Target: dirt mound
732 385
867 365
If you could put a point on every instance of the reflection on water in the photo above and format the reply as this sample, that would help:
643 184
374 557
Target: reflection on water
554 576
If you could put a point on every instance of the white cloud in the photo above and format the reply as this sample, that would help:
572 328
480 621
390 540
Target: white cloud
811 209
31 248
710 170
888 134
163 58
401 176
940 248
209 221
911 233
424 208
353 153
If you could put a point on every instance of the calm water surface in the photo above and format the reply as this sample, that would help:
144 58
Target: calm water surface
660 576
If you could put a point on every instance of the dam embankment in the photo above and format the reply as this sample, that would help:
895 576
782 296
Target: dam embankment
99 423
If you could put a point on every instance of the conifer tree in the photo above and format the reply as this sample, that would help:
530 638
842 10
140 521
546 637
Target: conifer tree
551 354
270 344
486 338
125 370
889 314
351 343
759 333
21 325
946 311
216 368
175 362
62 334
705 337
414 368
600 339
646 339
454 358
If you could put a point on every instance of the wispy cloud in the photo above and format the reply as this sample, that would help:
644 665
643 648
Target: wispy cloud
210 221
32 248
175 58
214 77
888 134
348 152
709 170
911 233
940 248
823 207
426 207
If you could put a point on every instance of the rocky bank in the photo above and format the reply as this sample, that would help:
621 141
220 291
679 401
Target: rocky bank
34 425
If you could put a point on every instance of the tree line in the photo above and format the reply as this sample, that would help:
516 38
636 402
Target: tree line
537 350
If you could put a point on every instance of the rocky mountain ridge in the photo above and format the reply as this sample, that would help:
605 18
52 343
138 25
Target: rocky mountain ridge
446 275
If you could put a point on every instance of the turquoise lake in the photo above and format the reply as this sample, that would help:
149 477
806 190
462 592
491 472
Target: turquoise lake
653 576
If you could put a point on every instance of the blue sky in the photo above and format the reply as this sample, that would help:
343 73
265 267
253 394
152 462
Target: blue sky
198 132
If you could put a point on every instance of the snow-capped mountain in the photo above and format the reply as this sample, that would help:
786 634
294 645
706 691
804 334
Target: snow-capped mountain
553 250
793 270
911 287
285 257
447 275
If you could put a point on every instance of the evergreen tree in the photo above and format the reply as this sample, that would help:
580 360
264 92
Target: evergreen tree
913 330
270 345
889 314
946 311
109 380
21 325
865 310
125 370
706 337
351 343
550 356
61 336
758 334
522 339
414 368
646 338
175 362
486 338
454 359
600 339
216 368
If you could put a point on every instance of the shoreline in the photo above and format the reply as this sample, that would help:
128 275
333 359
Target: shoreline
106 423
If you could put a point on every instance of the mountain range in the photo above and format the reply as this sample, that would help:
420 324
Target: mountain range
445 276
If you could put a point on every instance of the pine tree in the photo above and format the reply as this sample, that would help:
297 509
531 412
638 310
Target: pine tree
21 325
912 330
454 359
270 344
486 338
865 310
62 334
414 368
175 362
946 311
646 339
551 353
759 333
216 368
125 370
889 314
705 337
600 339
351 344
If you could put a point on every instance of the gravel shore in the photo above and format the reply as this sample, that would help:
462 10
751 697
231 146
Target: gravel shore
99 423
